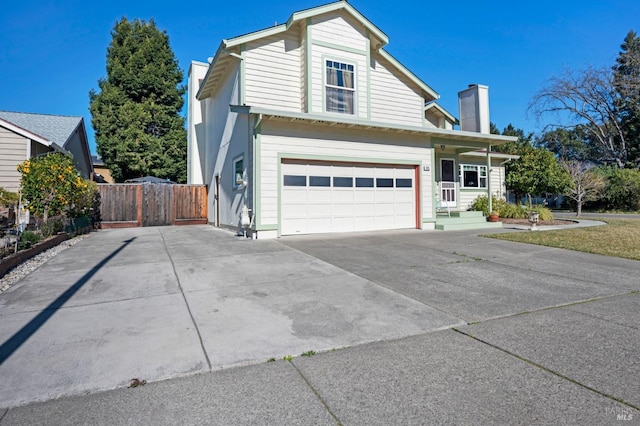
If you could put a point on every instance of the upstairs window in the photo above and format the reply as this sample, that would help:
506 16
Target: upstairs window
340 88
473 176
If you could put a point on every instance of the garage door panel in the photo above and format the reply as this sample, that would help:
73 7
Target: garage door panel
364 196
319 196
294 226
384 209
404 197
338 197
319 210
342 224
317 224
385 197
343 210
342 196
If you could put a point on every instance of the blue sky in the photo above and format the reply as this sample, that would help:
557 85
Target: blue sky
53 52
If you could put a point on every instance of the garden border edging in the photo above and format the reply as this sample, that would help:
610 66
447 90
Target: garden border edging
15 259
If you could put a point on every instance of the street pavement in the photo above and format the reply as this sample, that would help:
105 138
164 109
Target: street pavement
398 327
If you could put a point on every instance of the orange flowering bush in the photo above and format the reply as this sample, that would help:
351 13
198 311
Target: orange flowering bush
52 185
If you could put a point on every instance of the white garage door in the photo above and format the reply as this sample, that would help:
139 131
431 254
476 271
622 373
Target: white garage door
341 197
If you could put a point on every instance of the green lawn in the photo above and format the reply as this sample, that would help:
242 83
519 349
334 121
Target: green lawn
619 238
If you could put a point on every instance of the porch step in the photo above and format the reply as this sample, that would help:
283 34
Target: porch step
460 220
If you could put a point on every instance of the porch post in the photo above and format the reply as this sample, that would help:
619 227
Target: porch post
489 179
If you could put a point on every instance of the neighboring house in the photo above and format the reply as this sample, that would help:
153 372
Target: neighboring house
101 173
25 135
315 128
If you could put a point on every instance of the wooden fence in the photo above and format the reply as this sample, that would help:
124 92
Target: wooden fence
127 205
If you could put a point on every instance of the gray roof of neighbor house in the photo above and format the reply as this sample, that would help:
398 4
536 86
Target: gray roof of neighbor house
55 128
97 161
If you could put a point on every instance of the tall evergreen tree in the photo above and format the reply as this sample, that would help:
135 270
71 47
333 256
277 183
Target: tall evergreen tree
626 80
136 114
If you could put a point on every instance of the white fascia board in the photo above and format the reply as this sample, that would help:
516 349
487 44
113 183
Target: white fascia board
331 7
483 153
25 133
424 86
221 51
332 119
303 15
237 41
434 105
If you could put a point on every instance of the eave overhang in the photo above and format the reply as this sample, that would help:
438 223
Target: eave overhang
31 136
442 111
455 136
498 155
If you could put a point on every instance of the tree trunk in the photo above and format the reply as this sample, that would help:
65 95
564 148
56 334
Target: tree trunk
579 209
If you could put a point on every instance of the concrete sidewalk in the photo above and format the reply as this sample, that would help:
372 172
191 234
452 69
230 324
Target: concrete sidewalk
408 326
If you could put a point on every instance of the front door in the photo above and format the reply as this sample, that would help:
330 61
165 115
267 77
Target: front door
447 193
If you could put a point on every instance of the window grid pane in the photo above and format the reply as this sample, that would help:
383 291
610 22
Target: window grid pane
343 182
384 182
319 181
293 180
340 87
364 182
404 183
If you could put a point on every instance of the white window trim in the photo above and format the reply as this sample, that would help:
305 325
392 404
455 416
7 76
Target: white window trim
478 168
325 85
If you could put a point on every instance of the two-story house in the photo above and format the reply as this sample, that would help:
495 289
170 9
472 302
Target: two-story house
316 128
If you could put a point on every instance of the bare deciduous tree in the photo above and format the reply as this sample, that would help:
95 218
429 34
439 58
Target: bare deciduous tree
589 99
586 183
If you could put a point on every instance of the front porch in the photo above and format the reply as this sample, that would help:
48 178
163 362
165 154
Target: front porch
459 220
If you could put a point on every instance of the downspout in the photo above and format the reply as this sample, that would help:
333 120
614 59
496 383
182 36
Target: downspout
490 205
254 201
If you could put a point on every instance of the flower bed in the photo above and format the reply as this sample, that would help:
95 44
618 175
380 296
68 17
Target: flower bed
14 260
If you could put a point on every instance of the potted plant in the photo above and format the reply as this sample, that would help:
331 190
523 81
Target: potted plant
494 216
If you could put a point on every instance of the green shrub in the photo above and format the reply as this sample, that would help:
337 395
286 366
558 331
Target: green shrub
509 211
28 239
622 189
52 226
543 212
513 211
481 203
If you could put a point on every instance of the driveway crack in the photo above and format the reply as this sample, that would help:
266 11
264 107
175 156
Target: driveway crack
543 368
186 302
315 392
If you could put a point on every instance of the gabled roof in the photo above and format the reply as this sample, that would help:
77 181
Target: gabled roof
24 132
56 129
442 111
379 39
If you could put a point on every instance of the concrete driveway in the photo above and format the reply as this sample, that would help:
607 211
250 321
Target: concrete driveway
409 326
